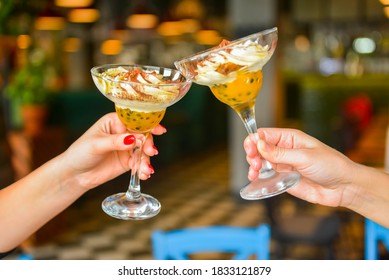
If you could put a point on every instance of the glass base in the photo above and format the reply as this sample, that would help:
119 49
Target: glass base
120 207
269 186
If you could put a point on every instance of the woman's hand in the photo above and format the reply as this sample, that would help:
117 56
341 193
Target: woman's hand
104 152
325 172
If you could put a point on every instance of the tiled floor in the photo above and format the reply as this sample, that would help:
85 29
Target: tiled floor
193 192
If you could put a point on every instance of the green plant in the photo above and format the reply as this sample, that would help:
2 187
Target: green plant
6 7
28 85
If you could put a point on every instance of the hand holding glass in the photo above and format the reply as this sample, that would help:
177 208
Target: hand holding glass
141 95
233 71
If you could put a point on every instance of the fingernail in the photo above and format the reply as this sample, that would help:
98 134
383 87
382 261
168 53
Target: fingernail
164 128
155 150
261 145
151 169
129 139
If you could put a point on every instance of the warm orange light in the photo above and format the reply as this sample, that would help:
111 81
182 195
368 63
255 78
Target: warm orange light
50 23
142 21
111 47
189 9
73 3
208 37
302 43
386 11
72 45
384 2
177 28
23 41
83 15
170 28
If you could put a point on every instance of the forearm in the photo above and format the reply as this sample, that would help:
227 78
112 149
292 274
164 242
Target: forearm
370 194
29 203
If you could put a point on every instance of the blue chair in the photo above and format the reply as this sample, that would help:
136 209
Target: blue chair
243 242
25 256
374 234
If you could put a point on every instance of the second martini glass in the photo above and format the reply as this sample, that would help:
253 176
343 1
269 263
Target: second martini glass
141 95
233 71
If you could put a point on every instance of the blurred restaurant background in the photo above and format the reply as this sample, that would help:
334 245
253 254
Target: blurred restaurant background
328 77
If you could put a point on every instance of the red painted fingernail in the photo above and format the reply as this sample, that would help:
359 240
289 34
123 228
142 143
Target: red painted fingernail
156 150
129 139
151 169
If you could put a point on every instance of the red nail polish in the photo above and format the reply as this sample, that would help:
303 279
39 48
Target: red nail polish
155 149
129 139
151 168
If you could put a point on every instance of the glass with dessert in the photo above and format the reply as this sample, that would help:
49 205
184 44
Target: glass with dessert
233 72
141 95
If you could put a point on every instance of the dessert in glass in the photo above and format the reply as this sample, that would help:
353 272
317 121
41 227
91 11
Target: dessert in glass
141 95
233 72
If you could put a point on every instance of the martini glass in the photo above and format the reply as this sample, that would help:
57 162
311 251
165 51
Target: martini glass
233 71
141 95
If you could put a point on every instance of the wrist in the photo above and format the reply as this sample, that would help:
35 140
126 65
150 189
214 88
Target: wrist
369 194
354 194
67 179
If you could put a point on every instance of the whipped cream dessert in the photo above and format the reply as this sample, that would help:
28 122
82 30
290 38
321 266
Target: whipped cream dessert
223 66
137 88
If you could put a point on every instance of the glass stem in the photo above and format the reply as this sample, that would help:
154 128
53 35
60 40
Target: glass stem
248 117
134 192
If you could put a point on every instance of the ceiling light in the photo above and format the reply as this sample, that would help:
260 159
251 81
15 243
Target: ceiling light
83 15
142 21
73 3
170 28
189 9
111 47
364 45
50 23
50 19
386 11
